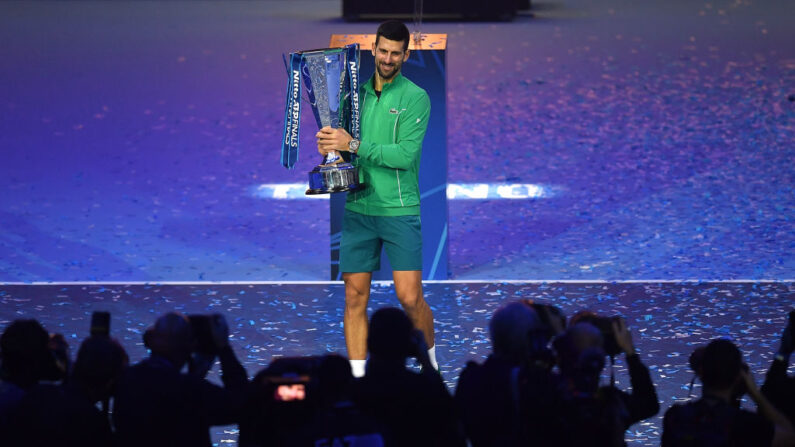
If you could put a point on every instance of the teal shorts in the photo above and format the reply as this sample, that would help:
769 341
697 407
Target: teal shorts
363 236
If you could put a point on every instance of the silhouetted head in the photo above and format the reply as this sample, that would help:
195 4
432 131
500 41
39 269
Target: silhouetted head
581 356
100 361
511 328
26 356
390 334
720 365
172 338
334 378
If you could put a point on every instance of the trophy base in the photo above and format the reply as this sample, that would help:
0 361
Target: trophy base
332 178
312 192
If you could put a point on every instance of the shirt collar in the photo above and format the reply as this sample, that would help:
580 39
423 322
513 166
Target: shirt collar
370 84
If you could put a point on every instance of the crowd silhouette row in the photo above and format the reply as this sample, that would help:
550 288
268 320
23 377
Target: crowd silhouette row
540 386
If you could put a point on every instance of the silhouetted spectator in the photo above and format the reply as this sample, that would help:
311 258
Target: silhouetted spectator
281 401
489 396
29 355
591 415
66 414
338 420
158 405
717 419
415 408
778 387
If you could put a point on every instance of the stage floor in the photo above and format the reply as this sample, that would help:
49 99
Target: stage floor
267 320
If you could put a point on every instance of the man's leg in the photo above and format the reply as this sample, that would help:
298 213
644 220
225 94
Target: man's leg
360 254
357 294
408 287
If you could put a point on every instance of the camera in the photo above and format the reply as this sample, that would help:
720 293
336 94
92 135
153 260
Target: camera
696 359
282 400
551 317
605 326
290 388
100 324
202 327
290 379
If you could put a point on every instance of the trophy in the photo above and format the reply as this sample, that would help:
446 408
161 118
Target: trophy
331 77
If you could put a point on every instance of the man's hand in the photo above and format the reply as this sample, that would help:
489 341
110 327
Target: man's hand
200 364
332 139
784 434
219 330
60 351
747 377
623 336
786 347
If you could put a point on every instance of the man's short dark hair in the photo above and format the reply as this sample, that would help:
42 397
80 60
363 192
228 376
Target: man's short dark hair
721 364
394 30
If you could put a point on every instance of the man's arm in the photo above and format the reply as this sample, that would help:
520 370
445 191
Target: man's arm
643 401
778 387
233 373
411 127
224 405
784 434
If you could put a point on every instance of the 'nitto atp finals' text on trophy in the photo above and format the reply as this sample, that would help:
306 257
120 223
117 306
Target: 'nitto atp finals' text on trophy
331 77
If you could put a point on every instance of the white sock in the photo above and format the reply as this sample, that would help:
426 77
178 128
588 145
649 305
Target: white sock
357 367
432 356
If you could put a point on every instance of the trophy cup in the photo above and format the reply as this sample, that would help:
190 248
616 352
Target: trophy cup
331 77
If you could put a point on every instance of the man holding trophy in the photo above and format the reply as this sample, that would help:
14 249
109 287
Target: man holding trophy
386 211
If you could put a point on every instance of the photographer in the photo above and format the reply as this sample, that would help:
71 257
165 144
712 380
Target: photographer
591 415
779 388
338 421
716 418
281 399
158 405
29 355
67 414
414 408
488 395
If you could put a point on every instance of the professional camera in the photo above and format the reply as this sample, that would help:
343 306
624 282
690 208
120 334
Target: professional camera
553 322
100 323
202 326
290 378
696 359
282 400
551 317
605 326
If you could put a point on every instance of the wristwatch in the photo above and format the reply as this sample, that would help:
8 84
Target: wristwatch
353 146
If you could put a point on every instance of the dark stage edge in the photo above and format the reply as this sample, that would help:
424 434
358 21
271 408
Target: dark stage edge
267 320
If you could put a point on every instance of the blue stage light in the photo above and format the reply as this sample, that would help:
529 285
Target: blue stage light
455 191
